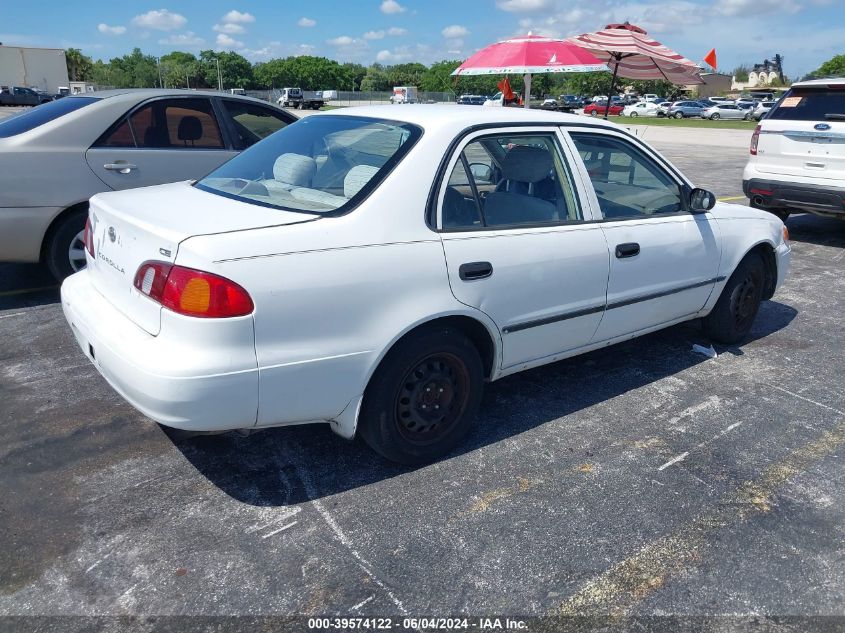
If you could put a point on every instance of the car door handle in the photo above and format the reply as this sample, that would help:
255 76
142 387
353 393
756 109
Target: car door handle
123 168
475 270
629 249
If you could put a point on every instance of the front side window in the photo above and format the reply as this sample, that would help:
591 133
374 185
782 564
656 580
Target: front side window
252 122
509 180
321 164
628 184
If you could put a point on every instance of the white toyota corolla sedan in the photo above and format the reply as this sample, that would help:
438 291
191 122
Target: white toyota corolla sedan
372 268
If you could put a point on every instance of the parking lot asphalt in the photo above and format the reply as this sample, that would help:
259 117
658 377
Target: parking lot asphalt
643 479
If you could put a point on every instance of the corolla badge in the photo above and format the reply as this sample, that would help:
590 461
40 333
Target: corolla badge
821 126
112 234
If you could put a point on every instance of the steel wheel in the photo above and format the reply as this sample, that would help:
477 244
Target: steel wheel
744 301
432 398
76 252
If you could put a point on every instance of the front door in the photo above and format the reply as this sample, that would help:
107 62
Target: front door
663 259
165 140
517 244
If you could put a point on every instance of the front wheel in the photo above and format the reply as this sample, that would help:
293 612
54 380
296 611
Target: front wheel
65 250
731 319
633 114
747 117
423 397
594 113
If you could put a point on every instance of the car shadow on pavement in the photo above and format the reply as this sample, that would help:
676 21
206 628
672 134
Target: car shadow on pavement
292 465
812 229
26 285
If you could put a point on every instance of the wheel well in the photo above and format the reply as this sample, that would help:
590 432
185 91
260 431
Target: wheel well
474 330
48 235
767 253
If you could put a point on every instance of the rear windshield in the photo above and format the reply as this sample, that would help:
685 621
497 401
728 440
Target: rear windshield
811 104
320 164
39 115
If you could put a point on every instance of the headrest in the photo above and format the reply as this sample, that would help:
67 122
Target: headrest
294 169
525 163
356 178
190 129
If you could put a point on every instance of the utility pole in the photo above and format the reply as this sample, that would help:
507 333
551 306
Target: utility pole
160 83
219 76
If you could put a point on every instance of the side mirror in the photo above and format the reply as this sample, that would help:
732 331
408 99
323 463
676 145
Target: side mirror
481 172
701 200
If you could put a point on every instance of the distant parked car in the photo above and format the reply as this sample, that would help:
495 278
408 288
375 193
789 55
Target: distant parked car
19 96
53 158
597 108
643 108
720 99
725 111
471 100
681 109
762 109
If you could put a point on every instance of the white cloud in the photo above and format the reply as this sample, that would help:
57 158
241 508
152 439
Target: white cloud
396 31
393 57
755 7
523 6
306 22
160 20
343 40
188 39
455 31
391 6
227 41
374 35
111 30
231 29
236 17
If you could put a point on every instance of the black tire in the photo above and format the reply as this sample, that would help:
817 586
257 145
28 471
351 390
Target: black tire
679 115
434 367
735 311
747 117
62 236
633 114
715 117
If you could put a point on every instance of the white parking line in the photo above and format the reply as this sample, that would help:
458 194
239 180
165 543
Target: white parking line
800 397
683 456
361 604
281 529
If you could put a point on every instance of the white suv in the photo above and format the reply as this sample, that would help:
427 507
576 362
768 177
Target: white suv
797 159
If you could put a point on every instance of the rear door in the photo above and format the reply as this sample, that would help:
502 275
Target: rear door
804 134
519 243
663 259
160 141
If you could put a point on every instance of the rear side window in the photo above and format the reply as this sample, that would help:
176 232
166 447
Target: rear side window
252 122
167 124
42 114
811 104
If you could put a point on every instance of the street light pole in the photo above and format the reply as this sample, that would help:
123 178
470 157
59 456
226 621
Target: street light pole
219 76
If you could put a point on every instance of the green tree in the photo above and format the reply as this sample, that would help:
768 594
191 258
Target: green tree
79 66
180 69
355 73
740 73
235 69
438 78
834 67
375 79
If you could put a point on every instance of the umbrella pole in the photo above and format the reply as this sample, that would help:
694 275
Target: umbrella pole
612 84
527 96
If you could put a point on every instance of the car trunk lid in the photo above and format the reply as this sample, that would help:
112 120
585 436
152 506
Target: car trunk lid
138 225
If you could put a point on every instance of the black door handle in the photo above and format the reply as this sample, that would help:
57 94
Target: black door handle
475 270
627 250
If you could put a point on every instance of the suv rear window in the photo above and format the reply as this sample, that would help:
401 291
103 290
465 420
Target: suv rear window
42 114
811 104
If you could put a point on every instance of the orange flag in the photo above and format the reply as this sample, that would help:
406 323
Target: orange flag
505 87
710 58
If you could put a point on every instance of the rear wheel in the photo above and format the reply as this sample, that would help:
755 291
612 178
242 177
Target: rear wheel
594 113
714 117
734 312
633 114
747 117
65 251
679 115
423 397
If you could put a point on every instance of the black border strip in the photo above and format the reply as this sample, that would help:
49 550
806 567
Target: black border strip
618 304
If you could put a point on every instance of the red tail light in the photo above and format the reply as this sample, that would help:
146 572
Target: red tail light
88 237
192 292
755 138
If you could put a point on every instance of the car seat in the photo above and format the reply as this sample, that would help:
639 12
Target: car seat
190 129
514 201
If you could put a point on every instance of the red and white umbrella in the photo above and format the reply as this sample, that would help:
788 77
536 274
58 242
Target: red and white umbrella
528 55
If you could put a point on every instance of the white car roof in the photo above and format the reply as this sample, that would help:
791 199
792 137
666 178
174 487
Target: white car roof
833 81
459 118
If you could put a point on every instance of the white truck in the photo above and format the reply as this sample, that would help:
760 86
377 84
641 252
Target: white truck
300 99
404 94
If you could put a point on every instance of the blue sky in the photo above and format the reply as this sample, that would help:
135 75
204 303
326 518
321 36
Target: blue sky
805 32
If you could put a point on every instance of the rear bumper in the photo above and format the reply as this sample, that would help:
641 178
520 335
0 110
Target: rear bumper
175 380
814 198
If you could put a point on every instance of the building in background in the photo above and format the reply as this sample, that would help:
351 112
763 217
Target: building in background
714 84
41 68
